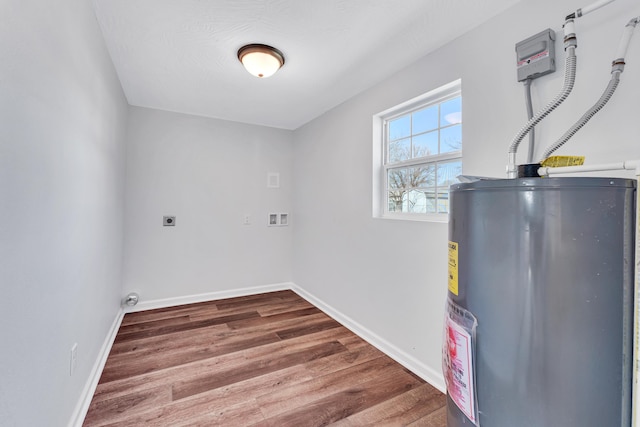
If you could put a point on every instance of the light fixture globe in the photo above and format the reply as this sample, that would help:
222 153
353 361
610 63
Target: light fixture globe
261 60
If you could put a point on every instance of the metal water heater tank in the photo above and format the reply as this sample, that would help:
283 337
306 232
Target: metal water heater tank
541 278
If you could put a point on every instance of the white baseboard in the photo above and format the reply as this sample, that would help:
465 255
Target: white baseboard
210 296
428 374
82 407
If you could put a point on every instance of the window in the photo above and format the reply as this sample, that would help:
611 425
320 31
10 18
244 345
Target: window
421 153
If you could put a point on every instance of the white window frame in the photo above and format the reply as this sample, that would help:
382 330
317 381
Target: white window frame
381 165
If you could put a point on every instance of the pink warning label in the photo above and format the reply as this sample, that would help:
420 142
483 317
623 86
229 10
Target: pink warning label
458 367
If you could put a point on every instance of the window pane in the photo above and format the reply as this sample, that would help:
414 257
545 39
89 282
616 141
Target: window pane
425 144
451 112
416 202
396 189
397 179
395 200
423 176
430 199
399 150
406 189
451 139
448 172
400 128
443 201
425 120
413 189
412 177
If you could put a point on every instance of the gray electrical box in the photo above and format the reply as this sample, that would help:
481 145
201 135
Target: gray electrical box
536 56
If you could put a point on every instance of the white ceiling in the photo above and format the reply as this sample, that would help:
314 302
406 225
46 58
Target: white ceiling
180 55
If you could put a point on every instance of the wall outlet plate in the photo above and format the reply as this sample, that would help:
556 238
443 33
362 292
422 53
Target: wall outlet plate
273 180
169 221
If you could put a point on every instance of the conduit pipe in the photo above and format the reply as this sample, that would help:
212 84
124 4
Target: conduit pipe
611 87
590 8
624 165
623 46
532 132
569 80
616 70
570 44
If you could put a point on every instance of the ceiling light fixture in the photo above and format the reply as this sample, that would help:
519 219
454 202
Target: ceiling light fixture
261 60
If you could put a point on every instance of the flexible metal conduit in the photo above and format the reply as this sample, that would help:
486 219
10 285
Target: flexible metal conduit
569 80
570 44
617 69
611 87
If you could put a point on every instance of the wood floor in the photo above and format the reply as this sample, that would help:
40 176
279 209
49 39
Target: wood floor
263 360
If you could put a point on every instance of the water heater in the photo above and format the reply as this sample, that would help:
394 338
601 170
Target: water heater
539 315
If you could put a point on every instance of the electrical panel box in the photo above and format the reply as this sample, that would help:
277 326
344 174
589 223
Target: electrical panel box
536 55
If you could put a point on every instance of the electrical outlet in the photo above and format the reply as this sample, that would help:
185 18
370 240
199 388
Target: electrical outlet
247 219
73 359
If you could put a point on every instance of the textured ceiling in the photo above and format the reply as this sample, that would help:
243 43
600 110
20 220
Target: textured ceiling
180 55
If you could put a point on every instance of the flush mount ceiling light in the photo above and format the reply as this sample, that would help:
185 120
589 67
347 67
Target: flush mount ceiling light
261 60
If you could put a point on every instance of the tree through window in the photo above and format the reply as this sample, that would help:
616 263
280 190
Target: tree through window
423 153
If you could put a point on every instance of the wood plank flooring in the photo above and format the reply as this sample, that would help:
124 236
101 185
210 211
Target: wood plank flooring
263 360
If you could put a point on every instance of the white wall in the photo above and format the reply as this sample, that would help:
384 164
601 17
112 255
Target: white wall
62 127
390 276
208 173
62 130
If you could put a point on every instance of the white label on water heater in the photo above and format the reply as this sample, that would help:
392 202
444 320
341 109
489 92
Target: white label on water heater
458 366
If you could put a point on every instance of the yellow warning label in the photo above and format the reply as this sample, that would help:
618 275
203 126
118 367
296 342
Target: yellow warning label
560 161
453 267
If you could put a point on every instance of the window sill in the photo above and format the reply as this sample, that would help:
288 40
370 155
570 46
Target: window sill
438 218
